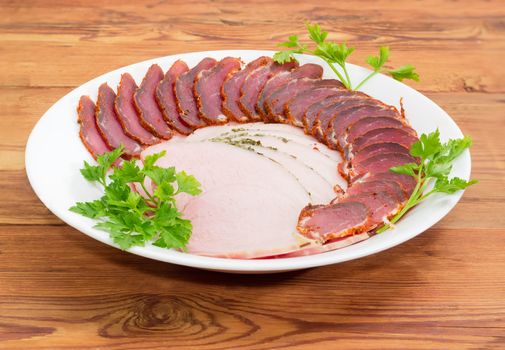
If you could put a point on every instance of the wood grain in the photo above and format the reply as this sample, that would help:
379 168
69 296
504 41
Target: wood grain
442 290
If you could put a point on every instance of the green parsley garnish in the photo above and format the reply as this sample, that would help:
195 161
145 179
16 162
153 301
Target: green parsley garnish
130 218
337 53
432 171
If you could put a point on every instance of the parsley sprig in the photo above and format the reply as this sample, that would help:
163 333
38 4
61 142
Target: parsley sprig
334 53
432 171
130 218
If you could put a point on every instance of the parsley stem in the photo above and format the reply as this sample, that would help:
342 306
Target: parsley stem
347 76
151 198
366 79
340 77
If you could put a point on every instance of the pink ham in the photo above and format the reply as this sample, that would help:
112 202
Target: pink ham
310 70
165 97
88 131
109 126
145 102
267 210
327 222
231 90
186 103
207 90
128 115
254 83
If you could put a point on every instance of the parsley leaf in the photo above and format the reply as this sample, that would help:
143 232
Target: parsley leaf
404 72
128 217
378 61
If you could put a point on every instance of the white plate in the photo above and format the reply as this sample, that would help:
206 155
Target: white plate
54 155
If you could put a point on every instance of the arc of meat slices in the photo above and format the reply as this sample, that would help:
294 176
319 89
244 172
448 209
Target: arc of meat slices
207 90
88 131
230 90
127 113
149 113
184 87
109 126
165 97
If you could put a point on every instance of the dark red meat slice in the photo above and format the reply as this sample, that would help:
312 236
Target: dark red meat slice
381 206
300 104
275 104
231 89
165 97
380 163
336 110
402 137
186 103
367 124
326 222
406 182
150 115
89 133
109 126
310 70
127 113
254 83
374 186
340 122
208 90
375 149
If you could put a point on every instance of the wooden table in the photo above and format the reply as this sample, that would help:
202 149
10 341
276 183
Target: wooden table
60 289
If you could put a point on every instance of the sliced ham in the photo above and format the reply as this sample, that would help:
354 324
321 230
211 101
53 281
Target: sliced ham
378 185
407 183
275 104
108 123
376 149
165 97
380 163
268 210
88 132
312 112
150 115
128 115
254 83
380 205
186 103
310 70
231 90
207 90
390 135
299 105
326 222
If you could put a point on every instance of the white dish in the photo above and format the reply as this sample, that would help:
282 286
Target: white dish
54 155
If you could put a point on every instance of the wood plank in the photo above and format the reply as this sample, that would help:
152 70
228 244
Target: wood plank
411 296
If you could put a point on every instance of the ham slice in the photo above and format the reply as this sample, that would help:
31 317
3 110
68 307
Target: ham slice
184 87
128 115
310 70
380 206
165 97
402 137
254 83
407 183
208 90
88 131
380 163
109 126
231 90
145 102
268 210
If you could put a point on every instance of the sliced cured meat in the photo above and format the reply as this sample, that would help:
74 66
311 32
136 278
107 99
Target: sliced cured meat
89 133
127 113
165 97
376 185
254 83
406 182
338 108
399 136
231 90
333 244
299 105
275 104
376 149
108 124
150 115
310 70
367 124
326 222
310 116
340 122
381 163
186 103
380 205
267 230
208 90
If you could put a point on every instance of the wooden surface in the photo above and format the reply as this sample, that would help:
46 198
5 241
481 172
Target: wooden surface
442 290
